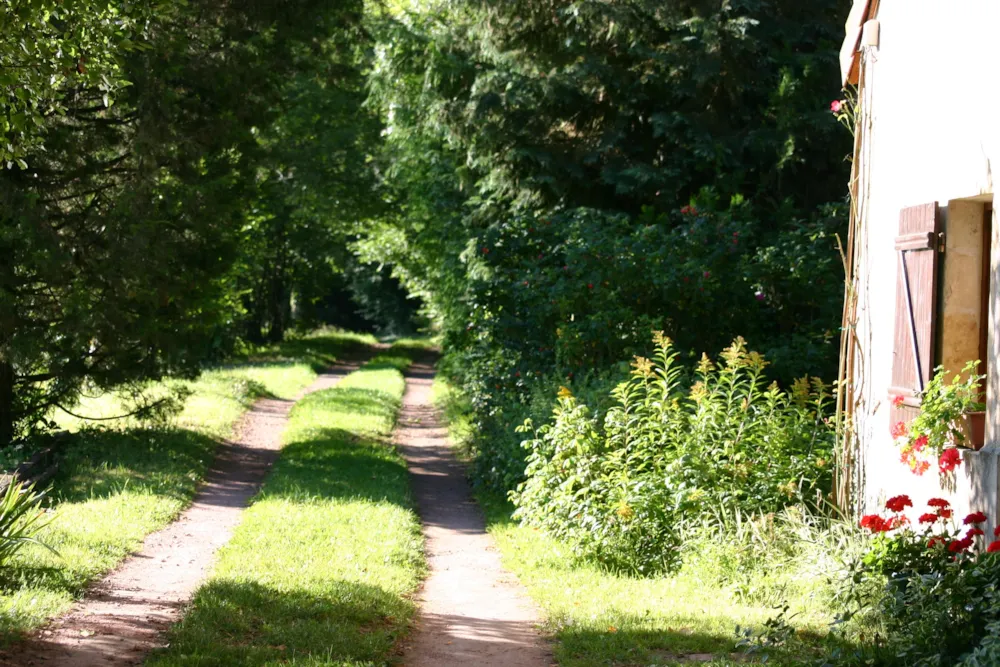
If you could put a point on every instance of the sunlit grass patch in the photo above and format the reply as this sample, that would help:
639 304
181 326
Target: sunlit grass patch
320 570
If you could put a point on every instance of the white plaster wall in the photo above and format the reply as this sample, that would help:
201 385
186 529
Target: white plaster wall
932 89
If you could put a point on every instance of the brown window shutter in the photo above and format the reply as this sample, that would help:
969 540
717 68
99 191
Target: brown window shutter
916 307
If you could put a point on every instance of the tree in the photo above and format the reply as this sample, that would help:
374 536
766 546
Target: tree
119 236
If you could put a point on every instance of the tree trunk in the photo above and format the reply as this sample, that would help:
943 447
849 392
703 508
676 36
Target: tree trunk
278 307
6 404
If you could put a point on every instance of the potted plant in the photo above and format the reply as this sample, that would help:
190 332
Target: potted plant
952 417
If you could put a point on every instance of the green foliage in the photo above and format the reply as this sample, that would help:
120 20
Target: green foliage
563 177
22 518
50 51
623 490
178 165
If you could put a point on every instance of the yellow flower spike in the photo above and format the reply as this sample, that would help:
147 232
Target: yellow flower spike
705 365
564 392
643 366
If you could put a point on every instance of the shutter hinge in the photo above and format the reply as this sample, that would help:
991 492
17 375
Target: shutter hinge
941 245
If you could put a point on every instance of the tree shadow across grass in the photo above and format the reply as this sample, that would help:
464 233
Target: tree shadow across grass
108 480
100 463
337 464
588 646
319 351
246 623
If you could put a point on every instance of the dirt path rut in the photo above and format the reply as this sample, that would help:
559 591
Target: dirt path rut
123 616
472 611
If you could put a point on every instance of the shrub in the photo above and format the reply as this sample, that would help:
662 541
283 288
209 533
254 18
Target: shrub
938 603
21 519
670 452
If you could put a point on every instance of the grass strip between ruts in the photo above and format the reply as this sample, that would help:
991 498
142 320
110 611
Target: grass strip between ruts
119 483
320 570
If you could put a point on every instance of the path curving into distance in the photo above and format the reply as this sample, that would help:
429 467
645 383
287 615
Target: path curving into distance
123 616
472 611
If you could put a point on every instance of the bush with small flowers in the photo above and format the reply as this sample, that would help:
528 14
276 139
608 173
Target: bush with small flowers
940 604
677 446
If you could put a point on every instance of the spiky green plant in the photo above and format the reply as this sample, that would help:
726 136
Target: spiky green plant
22 518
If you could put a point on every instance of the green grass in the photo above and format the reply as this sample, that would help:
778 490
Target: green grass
119 483
320 570
600 618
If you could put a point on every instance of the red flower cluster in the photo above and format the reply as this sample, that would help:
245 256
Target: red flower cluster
837 105
899 430
949 460
897 400
878 524
956 546
974 518
898 503
689 210
875 523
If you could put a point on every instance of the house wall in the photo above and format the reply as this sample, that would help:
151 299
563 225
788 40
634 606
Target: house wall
930 132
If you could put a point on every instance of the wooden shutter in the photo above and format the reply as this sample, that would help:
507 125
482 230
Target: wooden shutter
916 307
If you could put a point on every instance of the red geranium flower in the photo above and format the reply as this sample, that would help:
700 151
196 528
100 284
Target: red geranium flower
944 514
920 443
898 503
928 518
994 547
949 459
974 518
874 523
975 532
836 106
960 545
996 531
899 429
897 400
938 502
934 541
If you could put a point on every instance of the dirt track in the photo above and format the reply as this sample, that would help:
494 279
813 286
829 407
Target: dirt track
472 611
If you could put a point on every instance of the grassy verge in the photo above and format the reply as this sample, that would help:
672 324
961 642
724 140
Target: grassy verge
600 618
121 482
320 569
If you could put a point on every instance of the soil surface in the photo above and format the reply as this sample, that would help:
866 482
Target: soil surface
123 616
472 611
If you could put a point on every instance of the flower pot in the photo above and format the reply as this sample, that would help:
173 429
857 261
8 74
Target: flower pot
975 430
